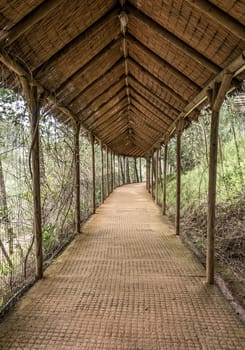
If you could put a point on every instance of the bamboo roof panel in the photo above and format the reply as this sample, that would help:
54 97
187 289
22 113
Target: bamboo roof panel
85 76
235 8
98 87
127 74
168 52
52 33
179 85
188 24
11 12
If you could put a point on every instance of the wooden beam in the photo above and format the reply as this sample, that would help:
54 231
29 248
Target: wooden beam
107 171
156 109
143 119
151 75
146 105
224 87
235 67
94 62
157 176
33 100
116 108
147 174
140 169
104 130
163 33
116 131
102 173
112 172
178 175
96 84
152 173
28 21
163 64
75 44
220 17
216 102
76 132
122 170
164 199
104 96
146 91
93 173
112 98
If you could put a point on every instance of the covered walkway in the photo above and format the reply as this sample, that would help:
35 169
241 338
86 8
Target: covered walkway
127 282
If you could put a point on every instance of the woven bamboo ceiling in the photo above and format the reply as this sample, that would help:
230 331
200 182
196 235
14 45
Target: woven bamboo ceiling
127 70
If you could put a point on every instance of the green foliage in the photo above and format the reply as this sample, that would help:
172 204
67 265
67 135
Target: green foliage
48 235
195 145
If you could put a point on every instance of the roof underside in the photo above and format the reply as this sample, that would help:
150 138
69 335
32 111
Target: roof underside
127 70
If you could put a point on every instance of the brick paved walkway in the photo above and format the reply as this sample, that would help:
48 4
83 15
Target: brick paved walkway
126 283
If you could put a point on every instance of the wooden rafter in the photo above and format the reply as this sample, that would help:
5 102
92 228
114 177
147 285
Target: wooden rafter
106 99
192 53
102 94
96 117
138 117
153 104
97 82
28 21
151 108
86 36
94 62
164 64
220 17
114 109
238 65
148 115
147 91
151 76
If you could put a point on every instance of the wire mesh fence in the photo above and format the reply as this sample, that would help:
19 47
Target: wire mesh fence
57 187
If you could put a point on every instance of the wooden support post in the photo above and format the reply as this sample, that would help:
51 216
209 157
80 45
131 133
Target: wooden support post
107 171
178 175
76 128
152 175
136 170
149 173
157 176
215 99
118 169
34 106
122 170
140 166
147 180
102 173
114 170
164 192
111 163
93 173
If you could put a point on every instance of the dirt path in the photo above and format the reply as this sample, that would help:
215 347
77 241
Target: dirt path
126 283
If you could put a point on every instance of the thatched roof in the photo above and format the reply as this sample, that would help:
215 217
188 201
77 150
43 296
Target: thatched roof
126 69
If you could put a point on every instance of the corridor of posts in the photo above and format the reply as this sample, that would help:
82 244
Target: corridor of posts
126 282
95 101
